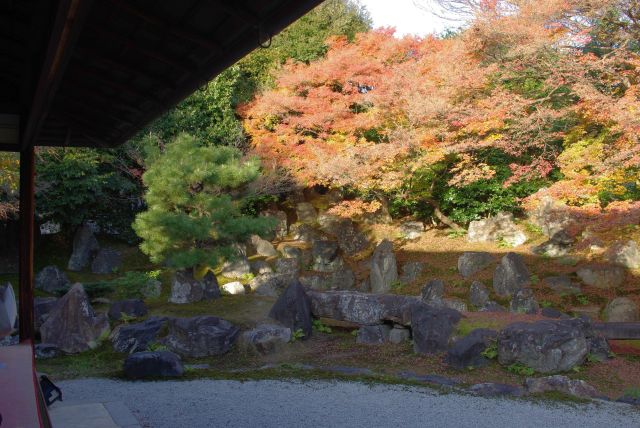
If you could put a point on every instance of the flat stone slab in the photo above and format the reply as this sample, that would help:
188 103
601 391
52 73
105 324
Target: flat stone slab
114 414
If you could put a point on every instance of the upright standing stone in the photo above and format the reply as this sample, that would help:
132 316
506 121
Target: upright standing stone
199 337
626 254
52 280
154 364
107 260
186 289
432 327
384 269
510 275
472 262
293 309
85 247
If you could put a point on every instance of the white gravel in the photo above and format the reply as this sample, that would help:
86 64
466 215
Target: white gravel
212 403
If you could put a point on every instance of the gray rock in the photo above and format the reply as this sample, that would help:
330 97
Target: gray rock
510 275
576 388
233 288
490 389
361 308
457 304
478 294
85 247
373 334
186 289
270 284
433 292
467 351
599 348
265 339
561 284
550 215
290 252
152 289
492 306
350 239
72 325
41 308
411 271
602 276
131 307
52 280
523 302
472 262
306 213
107 261
293 309
142 365
325 256
281 229
201 336
553 313
432 327
412 229
399 334
621 309
304 232
547 346
290 267
342 279
384 270
45 351
498 228
258 267
130 338
236 269
263 247
625 253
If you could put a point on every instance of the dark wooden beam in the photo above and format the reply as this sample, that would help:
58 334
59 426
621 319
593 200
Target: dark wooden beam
25 261
169 27
619 330
66 29
96 75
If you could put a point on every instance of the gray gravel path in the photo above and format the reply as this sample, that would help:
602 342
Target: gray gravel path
211 403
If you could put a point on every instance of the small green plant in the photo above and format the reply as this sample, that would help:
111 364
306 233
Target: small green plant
126 318
297 335
320 327
576 369
491 352
247 277
582 299
591 358
546 304
633 392
456 233
533 229
521 369
502 243
155 346
534 279
354 333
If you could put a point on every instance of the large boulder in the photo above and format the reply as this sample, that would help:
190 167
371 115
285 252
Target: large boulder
293 309
281 228
602 276
500 227
85 247
258 267
306 213
72 325
625 253
384 269
350 239
472 262
186 289
264 339
341 279
411 229
559 245
432 327
433 293
621 309
290 267
129 338
41 308
107 261
561 284
399 334
373 334
52 280
523 302
304 232
467 351
510 275
233 288
361 308
134 308
236 269
546 346
270 284
325 256
154 364
559 383
549 215
201 336
263 247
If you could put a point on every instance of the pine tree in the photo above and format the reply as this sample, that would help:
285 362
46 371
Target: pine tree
192 219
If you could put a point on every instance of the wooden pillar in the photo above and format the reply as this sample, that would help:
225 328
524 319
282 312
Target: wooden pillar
25 263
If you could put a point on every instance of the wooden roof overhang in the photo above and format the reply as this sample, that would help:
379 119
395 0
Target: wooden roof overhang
93 73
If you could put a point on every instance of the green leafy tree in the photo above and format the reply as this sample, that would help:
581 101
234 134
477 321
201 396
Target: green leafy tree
194 203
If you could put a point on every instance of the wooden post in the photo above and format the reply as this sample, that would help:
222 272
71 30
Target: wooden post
25 263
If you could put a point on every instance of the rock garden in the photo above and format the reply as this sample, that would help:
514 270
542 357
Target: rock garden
508 308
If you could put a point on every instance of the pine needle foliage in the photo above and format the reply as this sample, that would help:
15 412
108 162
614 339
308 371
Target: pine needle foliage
193 198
